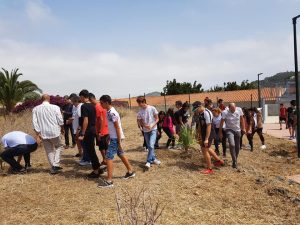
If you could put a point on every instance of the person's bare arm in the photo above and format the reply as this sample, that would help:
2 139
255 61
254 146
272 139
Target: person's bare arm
221 127
180 121
119 135
207 135
242 121
84 126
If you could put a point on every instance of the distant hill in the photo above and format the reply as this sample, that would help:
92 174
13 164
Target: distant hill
277 79
155 93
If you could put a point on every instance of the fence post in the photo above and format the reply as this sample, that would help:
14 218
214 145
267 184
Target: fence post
165 102
129 102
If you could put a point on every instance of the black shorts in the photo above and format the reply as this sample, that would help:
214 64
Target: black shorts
103 142
282 119
290 123
210 141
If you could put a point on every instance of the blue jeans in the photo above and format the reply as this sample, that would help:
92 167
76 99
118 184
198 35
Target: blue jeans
150 138
113 149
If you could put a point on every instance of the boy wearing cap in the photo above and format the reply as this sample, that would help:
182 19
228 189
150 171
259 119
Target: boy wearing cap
207 135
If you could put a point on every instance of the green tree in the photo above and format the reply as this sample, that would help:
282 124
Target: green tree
231 86
174 88
13 91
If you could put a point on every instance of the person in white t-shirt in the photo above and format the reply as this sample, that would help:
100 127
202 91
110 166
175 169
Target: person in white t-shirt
115 144
147 119
76 113
235 124
18 143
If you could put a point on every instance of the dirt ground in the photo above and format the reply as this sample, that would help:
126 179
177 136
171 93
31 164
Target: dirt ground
259 194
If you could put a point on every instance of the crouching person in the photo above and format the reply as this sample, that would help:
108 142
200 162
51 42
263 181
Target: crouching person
20 144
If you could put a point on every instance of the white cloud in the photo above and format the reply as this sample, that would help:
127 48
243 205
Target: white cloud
38 12
62 71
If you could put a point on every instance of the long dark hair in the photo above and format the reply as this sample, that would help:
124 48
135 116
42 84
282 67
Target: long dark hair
161 113
247 114
170 112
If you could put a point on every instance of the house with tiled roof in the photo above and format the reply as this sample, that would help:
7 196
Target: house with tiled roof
243 98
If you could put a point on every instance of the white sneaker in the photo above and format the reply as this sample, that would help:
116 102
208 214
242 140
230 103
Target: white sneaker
84 163
157 162
170 147
148 165
263 147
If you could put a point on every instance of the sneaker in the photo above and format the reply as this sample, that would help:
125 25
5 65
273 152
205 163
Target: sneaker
291 138
77 155
27 166
263 147
57 167
53 170
169 147
156 162
84 163
19 171
106 184
103 165
234 165
207 171
129 175
73 145
66 146
147 166
102 171
219 163
93 175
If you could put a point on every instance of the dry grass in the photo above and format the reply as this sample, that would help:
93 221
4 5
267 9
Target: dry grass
260 194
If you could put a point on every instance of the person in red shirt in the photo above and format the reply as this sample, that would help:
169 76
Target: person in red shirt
282 115
102 132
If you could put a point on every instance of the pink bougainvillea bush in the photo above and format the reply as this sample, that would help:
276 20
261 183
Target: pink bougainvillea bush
30 104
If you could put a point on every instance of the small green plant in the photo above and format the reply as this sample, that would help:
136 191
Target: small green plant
187 137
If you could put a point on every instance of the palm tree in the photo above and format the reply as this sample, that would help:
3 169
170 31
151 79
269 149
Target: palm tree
13 91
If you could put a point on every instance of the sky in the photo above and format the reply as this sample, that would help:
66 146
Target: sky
121 47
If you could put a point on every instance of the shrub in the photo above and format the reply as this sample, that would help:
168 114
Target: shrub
186 137
30 104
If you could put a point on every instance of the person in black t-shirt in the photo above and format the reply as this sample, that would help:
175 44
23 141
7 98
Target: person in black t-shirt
181 116
290 119
88 132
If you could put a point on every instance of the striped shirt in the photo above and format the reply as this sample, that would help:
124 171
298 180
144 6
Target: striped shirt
47 119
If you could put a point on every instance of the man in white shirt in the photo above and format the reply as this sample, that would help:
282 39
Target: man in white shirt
235 124
17 143
147 118
48 125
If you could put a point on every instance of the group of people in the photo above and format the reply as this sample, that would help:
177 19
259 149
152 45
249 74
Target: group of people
213 125
91 121
288 116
